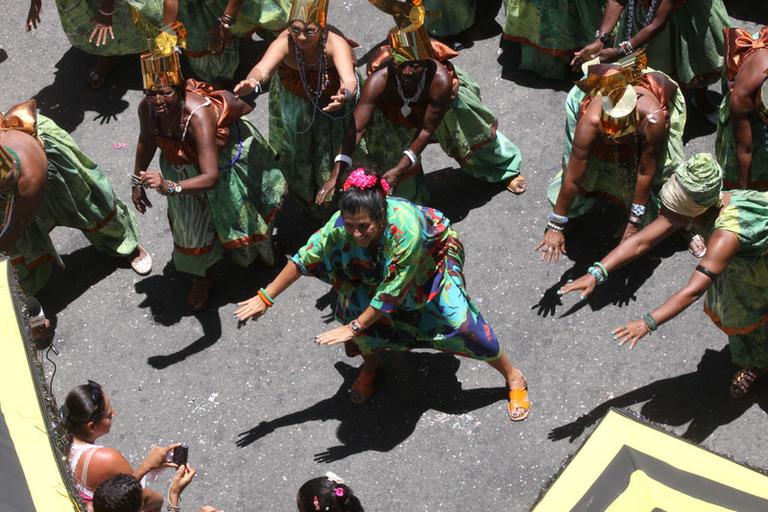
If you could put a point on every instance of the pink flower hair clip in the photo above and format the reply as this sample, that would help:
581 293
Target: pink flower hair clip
359 179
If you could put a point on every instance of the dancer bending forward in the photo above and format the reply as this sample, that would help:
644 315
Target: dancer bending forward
397 269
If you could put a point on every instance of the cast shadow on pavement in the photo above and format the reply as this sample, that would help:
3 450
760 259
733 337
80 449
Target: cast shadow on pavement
165 297
510 60
409 385
69 97
84 268
699 398
589 239
747 10
456 193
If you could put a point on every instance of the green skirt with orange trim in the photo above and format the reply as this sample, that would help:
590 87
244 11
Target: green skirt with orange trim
237 214
725 148
550 31
79 196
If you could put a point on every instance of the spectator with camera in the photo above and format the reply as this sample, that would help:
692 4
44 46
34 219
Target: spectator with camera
86 416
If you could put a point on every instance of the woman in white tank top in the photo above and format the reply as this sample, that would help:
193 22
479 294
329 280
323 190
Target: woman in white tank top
87 415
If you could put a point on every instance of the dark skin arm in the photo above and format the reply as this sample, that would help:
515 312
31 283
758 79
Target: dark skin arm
219 34
145 152
30 188
440 96
203 132
553 243
369 97
745 87
170 11
613 11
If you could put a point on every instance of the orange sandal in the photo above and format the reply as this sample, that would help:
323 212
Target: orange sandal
518 399
363 388
743 381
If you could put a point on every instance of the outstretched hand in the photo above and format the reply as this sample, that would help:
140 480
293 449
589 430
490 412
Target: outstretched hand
337 101
102 31
334 336
551 246
585 283
251 308
140 200
326 193
630 332
585 54
33 18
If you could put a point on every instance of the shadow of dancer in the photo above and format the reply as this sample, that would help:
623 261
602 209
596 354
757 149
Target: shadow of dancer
68 98
409 385
455 193
700 399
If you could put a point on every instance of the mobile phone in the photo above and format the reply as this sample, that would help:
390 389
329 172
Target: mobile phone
180 455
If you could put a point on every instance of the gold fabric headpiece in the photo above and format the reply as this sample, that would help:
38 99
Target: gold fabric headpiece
613 85
762 100
160 66
409 46
409 15
309 11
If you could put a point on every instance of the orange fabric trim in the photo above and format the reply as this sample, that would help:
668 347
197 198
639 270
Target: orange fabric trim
555 52
739 46
734 331
19 260
193 251
103 222
477 146
244 241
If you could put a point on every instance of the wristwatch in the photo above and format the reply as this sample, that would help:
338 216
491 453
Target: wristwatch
604 37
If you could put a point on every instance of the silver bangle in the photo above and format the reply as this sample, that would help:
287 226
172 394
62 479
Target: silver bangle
344 159
106 13
411 156
557 219
256 86
638 210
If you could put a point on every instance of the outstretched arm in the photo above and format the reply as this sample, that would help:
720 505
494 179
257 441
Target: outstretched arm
722 247
265 68
344 62
255 306
613 10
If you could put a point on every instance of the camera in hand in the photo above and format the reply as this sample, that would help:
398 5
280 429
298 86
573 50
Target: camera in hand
180 455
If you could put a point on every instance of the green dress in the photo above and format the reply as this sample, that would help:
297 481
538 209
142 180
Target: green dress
415 278
690 47
609 175
262 16
77 21
550 31
467 133
737 301
79 196
199 16
238 212
450 17
305 138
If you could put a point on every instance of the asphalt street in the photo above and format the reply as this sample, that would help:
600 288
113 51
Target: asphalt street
263 409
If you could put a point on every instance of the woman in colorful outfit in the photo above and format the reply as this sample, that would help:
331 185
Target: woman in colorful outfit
215 27
220 176
624 138
733 273
104 28
683 38
397 270
550 32
312 94
742 130
47 181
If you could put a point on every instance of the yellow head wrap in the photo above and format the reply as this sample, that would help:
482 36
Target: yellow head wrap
160 66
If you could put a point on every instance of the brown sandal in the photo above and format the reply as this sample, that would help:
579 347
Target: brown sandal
518 399
743 381
200 286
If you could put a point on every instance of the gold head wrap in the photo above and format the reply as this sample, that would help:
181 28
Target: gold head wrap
409 46
614 84
762 100
309 11
160 65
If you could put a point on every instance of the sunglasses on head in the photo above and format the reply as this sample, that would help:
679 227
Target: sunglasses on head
97 396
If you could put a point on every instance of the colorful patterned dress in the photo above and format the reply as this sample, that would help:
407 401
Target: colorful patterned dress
467 132
306 138
737 301
238 212
450 17
609 175
550 31
690 47
78 196
743 45
415 278
77 21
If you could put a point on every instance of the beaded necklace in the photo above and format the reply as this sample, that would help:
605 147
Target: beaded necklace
632 12
322 69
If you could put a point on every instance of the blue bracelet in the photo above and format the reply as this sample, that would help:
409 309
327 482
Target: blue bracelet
650 323
597 274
